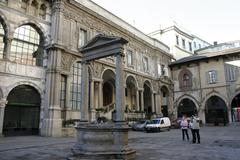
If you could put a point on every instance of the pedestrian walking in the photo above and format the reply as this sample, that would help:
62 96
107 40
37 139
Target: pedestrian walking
184 127
195 127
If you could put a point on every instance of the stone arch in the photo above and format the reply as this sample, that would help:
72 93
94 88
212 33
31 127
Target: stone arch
108 87
133 77
40 91
4 22
106 69
214 93
148 83
189 97
235 106
188 105
131 90
216 110
165 100
234 95
23 110
147 98
43 34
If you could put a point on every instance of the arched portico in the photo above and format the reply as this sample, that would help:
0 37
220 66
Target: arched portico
147 98
22 112
131 93
186 107
164 92
216 110
108 88
235 107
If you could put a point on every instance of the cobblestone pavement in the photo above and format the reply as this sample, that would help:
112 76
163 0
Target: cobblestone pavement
217 143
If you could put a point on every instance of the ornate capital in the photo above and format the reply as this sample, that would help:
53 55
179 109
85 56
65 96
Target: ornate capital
3 103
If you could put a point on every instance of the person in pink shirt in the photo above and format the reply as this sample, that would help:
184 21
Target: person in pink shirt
184 127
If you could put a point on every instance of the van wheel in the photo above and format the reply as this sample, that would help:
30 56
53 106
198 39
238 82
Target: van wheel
159 130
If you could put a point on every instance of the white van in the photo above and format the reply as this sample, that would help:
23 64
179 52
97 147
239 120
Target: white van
158 124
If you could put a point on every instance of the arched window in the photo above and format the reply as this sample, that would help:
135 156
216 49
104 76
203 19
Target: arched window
186 80
1 41
43 11
25 48
76 86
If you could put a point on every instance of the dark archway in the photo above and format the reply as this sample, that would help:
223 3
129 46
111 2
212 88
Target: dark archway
147 97
107 93
22 111
164 101
216 111
130 93
108 88
186 107
236 108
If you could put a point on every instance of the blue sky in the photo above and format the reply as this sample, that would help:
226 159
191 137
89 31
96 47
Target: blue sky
211 20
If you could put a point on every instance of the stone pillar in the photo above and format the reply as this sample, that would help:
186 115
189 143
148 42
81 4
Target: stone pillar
120 98
7 47
153 103
92 104
100 95
2 109
137 100
52 122
85 87
142 100
158 104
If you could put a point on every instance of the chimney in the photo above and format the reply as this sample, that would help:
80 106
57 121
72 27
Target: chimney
215 43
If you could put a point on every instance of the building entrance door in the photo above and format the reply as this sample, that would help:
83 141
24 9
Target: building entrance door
22 112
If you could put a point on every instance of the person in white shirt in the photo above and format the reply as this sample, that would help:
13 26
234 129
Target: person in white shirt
195 127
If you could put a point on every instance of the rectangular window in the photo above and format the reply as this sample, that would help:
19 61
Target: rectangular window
212 77
199 46
129 57
159 70
195 45
183 43
82 38
63 91
163 70
177 40
76 86
231 73
190 46
145 64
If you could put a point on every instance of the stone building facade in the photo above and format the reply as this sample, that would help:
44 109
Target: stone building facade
208 84
182 42
40 67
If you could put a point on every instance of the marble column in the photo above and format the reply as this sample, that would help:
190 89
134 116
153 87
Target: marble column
2 109
92 104
137 100
85 88
120 98
7 47
100 95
